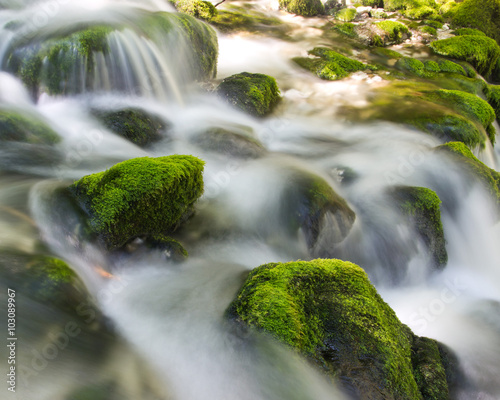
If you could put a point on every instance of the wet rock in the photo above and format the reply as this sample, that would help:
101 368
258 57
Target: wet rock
197 8
256 94
139 197
306 8
329 311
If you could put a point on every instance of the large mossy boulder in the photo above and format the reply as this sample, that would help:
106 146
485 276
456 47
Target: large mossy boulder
480 51
136 125
488 177
329 311
21 127
328 64
140 197
483 15
421 207
256 94
306 8
72 61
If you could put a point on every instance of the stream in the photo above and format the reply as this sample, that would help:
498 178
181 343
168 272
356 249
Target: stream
170 340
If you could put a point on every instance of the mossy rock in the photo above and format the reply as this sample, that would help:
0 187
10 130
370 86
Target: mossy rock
256 94
237 19
306 8
22 127
481 52
450 66
483 15
468 31
346 14
421 206
197 8
395 32
133 124
386 53
310 204
489 178
431 66
461 83
235 144
328 64
492 93
347 28
422 12
433 24
429 30
329 311
140 197
411 65
171 248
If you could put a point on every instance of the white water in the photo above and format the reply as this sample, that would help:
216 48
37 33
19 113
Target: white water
172 341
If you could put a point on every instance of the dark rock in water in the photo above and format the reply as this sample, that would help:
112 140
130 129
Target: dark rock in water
231 143
172 249
17 127
421 206
306 8
136 125
256 94
330 312
140 197
310 204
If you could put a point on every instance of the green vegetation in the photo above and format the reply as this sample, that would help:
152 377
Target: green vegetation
481 52
236 19
483 15
172 248
429 30
431 66
328 310
488 177
421 206
197 8
492 93
347 29
387 53
306 8
412 65
346 14
328 64
450 66
468 31
396 31
133 124
434 24
140 197
17 127
256 94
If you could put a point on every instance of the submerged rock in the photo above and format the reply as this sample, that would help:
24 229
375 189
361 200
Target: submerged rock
136 125
256 94
306 8
328 64
330 312
140 197
421 206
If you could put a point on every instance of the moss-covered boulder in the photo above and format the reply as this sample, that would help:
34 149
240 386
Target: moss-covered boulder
393 31
489 178
480 51
421 207
140 197
346 14
328 64
386 53
233 143
306 8
468 31
256 94
22 127
483 15
197 8
133 124
492 93
330 312
412 65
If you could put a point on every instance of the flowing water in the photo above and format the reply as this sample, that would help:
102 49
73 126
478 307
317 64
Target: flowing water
170 340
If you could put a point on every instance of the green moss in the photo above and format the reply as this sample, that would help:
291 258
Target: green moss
172 248
469 70
429 369
462 83
492 93
347 29
346 14
329 64
481 52
133 124
431 66
17 127
421 205
450 66
306 8
376 41
197 8
468 31
447 9
412 65
434 24
483 15
140 197
396 31
372 3
429 29
256 94
387 53
488 177
237 19
421 13
329 310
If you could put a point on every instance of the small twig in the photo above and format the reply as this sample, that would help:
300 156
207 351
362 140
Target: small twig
220 2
